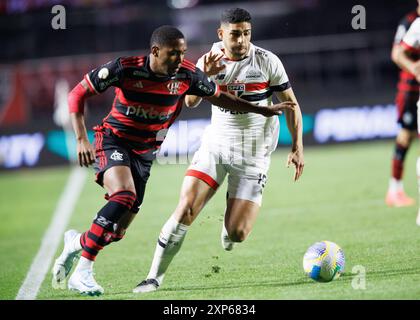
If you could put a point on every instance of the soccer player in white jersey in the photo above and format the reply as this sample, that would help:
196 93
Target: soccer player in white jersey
237 145
411 48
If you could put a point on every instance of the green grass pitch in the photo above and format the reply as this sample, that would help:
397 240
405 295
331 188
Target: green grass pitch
340 198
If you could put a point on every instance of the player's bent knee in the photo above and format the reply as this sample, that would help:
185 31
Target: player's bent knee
405 137
125 197
124 189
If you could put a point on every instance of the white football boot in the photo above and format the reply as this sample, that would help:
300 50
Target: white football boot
147 285
64 263
83 282
227 244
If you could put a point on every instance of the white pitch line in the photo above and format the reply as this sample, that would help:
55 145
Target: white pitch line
52 237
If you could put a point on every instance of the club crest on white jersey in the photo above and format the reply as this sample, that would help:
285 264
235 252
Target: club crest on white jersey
237 89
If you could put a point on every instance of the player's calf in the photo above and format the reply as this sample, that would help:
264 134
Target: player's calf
102 230
236 235
185 211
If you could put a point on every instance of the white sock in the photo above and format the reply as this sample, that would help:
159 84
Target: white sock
395 185
171 237
84 264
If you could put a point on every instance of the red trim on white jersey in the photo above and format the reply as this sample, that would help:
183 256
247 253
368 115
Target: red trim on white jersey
217 91
409 48
203 177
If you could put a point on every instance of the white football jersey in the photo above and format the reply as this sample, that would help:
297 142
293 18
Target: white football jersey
411 39
254 79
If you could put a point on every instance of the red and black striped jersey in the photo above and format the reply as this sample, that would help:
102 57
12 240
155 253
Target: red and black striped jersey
145 105
407 82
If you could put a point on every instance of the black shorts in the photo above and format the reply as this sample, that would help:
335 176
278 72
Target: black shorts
407 110
113 151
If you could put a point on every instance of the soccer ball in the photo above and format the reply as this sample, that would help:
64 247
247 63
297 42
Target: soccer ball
324 261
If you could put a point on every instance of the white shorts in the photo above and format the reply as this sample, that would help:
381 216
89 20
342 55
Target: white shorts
246 179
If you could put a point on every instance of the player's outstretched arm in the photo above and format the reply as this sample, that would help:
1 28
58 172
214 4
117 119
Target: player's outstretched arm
76 101
192 101
210 65
231 102
294 123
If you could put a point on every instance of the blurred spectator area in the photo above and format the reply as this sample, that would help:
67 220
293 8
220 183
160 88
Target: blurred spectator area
328 63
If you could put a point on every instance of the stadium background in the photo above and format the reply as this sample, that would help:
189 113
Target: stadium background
343 78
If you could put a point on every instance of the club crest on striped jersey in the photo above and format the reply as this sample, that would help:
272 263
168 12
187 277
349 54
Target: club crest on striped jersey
236 89
117 156
173 86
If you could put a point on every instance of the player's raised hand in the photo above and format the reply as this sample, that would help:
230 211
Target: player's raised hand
212 65
277 109
85 153
296 158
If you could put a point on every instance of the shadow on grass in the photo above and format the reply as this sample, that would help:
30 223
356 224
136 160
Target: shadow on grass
377 274
345 277
238 285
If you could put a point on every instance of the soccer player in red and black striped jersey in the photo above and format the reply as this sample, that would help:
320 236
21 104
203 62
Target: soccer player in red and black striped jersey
408 59
149 94
406 99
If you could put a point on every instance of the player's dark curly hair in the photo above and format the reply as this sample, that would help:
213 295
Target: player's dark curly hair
165 35
235 15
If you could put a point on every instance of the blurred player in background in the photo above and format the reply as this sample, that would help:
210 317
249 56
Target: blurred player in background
149 95
406 101
408 59
236 144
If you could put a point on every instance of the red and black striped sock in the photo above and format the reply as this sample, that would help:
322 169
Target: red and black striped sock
101 232
398 161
